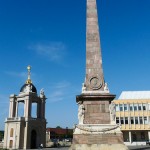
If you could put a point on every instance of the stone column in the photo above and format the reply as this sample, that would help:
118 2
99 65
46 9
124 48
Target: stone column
26 108
149 135
130 137
43 108
12 107
16 109
38 110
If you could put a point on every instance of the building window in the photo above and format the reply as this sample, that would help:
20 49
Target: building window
144 106
140 107
145 120
125 107
126 120
131 107
142 135
117 107
141 120
121 107
132 120
135 107
122 120
117 120
134 137
136 120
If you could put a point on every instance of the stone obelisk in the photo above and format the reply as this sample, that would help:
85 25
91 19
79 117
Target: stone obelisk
96 129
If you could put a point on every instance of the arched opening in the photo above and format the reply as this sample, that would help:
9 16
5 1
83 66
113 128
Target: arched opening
34 110
33 139
11 144
20 109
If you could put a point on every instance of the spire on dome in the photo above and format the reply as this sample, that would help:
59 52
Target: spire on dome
28 81
28 86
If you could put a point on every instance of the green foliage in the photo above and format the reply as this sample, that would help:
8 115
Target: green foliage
1 135
59 127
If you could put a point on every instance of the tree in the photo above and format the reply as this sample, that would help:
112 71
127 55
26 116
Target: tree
59 127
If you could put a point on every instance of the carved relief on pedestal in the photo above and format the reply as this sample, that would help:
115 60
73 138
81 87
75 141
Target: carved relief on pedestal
81 110
112 110
95 83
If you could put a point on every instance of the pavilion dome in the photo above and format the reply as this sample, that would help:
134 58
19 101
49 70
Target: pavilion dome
25 87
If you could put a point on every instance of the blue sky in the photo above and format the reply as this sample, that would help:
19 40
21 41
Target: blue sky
50 36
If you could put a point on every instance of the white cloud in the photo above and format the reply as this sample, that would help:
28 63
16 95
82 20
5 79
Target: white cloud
54 51
59 91
62 85
22 75
56 96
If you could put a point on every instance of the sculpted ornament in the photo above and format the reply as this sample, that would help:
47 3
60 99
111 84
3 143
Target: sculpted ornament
106 88
42 93
95 83
83 87
81 110
112 110
29 88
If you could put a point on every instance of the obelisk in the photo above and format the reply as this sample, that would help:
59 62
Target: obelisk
96 129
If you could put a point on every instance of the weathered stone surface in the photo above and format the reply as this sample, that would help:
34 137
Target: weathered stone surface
93 50
98 138
96 112
98 147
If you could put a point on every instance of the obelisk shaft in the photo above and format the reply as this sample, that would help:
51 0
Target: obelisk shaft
94 72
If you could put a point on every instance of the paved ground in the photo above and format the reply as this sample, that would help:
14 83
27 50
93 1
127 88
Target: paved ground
139 147
130 148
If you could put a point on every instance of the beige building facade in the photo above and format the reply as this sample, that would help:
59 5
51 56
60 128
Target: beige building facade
23 131
133 114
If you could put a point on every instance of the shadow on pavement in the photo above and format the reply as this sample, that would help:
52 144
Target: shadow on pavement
139 148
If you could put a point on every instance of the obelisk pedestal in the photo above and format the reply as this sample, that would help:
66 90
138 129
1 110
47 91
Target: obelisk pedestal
97 129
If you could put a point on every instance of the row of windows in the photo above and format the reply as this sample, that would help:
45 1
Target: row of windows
132 107
132 120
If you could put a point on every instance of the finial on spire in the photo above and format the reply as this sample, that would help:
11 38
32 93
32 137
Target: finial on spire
29 75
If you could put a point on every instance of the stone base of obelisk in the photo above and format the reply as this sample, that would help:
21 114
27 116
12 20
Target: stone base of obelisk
98 137
98 147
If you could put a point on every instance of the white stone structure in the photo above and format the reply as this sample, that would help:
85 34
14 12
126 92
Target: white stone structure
26 131
81 113
112 110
